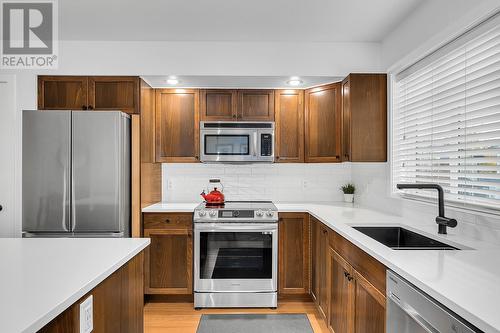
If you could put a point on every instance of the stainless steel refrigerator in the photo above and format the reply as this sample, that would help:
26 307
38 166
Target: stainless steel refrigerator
76 174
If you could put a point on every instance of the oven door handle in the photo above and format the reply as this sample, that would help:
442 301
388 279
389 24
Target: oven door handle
236 227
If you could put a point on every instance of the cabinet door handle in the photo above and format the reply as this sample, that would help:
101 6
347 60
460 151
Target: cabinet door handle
234 116
84 107
91 107
167 220
324 231
337 157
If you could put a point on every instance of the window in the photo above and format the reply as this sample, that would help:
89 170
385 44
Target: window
446 123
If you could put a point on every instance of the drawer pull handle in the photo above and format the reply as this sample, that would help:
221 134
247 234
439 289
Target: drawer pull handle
167 220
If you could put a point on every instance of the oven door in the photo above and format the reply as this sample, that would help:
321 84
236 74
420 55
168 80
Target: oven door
235 257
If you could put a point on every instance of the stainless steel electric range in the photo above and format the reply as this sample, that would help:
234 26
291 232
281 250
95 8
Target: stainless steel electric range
236 254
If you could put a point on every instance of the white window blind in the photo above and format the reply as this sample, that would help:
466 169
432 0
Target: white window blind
446 119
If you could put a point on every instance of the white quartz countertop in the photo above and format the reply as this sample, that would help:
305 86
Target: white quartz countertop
465 281
42 277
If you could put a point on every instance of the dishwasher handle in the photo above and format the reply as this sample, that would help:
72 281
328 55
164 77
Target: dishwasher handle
413 314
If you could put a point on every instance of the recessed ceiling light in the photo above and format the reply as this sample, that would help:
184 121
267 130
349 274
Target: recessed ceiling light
172 80
294 81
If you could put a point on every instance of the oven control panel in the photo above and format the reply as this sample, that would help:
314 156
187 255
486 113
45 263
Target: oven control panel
221 215
240 214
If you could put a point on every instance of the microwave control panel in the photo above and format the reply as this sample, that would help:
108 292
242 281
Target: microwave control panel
266 145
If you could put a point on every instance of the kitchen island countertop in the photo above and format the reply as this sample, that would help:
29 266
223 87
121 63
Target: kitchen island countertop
41 277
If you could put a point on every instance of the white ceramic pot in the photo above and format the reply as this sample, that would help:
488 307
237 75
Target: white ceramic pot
349 197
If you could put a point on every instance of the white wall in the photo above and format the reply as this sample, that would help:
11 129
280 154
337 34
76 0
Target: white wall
432 24
280 182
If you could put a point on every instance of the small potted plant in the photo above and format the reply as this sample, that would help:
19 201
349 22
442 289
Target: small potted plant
348 190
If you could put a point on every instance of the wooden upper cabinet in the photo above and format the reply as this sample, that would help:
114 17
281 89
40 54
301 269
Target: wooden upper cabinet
293 258
289 114
323 118
62 92
177 125
89 93
147 102
346 121
364 105
218 104
114 93
256 105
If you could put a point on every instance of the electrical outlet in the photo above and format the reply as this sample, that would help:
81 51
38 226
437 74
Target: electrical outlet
305 184
86 315
170 184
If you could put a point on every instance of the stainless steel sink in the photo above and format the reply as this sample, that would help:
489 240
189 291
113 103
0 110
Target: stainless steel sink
399 238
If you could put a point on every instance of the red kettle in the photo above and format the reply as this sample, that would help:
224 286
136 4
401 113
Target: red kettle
214 197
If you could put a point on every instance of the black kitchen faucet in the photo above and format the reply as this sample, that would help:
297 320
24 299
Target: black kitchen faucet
441 220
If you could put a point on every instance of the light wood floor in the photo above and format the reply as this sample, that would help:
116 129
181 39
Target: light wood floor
182 318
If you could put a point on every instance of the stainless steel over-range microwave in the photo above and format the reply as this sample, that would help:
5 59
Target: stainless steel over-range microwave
242 141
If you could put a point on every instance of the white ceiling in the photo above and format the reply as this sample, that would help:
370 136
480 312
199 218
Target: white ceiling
253 82
232 20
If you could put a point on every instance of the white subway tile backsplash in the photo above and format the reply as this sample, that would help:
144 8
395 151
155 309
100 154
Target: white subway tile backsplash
279 182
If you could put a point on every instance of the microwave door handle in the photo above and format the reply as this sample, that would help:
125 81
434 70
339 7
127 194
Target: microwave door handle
254 152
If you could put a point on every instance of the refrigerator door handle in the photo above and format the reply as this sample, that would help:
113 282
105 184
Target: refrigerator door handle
72 195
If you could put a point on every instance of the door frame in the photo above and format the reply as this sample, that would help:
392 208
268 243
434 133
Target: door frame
10 79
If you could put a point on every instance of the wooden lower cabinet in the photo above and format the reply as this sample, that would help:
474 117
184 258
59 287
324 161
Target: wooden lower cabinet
169 258
118 304
319 245
369 307
293 257
340 291
355 304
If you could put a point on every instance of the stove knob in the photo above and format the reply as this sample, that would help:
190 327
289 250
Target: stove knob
212 213
270 213
259 213
202 213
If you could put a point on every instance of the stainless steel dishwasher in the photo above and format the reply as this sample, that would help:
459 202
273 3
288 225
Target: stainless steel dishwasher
409 310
